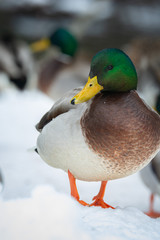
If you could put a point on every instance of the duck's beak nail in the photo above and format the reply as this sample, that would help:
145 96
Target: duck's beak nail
73 101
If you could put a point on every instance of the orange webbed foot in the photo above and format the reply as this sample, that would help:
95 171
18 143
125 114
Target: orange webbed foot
153 214
98 199
101 203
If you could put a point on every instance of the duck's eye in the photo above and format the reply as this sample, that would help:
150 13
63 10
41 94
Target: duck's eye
90 85
109 67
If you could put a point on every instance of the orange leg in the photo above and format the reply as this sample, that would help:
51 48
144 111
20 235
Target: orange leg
151 212
99 197
74 191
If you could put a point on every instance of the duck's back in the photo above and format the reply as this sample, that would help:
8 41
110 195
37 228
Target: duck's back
122 129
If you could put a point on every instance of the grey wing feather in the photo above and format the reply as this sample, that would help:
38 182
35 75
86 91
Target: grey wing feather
63 105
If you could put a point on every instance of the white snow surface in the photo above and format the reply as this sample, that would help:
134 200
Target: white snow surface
35 202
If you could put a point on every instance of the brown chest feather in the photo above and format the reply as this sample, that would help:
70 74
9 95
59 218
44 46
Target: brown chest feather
120 127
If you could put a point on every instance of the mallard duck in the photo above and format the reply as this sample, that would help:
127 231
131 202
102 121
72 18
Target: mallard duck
102 132
62 46
151 175
61 38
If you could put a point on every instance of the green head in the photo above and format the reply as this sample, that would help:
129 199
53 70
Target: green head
62 38
114 70
111 70
65 41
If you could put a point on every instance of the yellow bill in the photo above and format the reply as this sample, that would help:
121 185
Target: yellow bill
40 45
90 90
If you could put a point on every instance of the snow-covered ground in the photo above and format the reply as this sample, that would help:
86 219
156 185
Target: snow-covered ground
35 202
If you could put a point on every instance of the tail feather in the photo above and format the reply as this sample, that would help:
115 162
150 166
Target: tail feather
33 149
36 150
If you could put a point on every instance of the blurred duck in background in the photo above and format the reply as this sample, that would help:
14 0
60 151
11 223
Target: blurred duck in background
62 38
145 53
59 70
151 175
16 64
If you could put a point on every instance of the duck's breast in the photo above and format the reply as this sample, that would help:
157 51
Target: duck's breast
123 130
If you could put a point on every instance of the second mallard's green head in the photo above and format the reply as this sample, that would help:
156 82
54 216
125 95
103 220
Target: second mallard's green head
62 38
111 70
65 41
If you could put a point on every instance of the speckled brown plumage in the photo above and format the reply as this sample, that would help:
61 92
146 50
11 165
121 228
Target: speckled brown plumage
121 129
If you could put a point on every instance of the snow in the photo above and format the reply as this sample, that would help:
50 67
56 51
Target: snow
51 215
35 202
